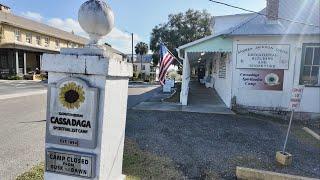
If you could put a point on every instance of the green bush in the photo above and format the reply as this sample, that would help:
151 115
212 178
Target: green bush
15 77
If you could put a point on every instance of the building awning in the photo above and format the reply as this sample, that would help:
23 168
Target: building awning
209 44
26 48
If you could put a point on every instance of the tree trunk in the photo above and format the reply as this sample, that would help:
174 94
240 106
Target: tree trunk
141 66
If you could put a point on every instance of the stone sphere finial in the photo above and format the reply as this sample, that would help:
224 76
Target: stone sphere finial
96 18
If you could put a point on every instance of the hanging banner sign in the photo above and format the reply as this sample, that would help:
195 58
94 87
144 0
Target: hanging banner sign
263 56
72 114
261 79
296 97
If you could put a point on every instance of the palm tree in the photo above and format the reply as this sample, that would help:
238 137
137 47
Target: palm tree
141 49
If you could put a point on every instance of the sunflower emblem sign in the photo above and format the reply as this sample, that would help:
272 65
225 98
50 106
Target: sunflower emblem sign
72 113
71 95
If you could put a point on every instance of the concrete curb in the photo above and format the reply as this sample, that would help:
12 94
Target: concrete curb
11 96
250 174
312 133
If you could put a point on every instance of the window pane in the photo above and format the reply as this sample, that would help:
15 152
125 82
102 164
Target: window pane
305 75
315 78
308 56
306 71
315 71
316 60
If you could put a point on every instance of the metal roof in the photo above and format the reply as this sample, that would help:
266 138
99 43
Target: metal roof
305 11
147 58
17 21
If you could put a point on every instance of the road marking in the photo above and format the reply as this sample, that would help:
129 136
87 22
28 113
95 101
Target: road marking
312 133
10 96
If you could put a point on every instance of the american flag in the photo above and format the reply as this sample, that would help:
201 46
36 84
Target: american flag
166 59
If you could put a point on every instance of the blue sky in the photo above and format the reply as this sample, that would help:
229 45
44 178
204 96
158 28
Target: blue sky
137 16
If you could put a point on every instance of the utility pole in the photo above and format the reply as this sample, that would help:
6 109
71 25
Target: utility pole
132 48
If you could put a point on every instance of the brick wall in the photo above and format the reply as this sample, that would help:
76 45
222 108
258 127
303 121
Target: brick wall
272 9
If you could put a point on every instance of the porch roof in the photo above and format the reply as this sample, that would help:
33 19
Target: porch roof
209 44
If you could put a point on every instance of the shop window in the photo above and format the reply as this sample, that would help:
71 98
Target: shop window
4 63
38 40
135 67
29 38
46 42
1 33
71 45
310 65
57 44
17 34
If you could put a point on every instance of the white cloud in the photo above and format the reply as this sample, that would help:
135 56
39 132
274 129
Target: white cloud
117 38
68 25
32 15
121 40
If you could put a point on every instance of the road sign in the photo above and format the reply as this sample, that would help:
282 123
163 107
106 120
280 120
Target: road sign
296 97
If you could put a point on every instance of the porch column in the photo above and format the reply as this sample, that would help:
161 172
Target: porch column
17 62
25 63
185 81
40 57
207 68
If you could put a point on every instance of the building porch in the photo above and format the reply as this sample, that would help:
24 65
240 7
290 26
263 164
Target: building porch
18 62
206 72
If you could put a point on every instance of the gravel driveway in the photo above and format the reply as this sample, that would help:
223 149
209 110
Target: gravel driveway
207 146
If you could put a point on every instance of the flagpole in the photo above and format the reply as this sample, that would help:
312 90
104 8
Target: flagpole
177 59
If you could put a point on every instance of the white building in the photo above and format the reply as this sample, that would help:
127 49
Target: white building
144 66
253 61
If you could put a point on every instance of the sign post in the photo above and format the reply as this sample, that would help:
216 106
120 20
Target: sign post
283 157
87 103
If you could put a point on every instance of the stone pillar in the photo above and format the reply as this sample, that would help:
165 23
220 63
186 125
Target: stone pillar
110 78
25 63
87 104
17 62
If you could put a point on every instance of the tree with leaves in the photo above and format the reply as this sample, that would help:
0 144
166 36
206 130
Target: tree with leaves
180 29
141 48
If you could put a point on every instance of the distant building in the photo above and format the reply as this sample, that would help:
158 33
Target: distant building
142 65
23 41
253 61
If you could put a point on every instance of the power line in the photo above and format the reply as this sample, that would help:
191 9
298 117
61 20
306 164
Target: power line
248 10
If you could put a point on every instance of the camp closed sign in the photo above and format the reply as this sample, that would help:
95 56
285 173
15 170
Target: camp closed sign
71 114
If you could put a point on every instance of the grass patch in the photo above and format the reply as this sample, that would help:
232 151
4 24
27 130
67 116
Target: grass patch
137 165
36 173
175 98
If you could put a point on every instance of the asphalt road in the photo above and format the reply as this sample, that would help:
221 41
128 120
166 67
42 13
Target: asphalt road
22 125
14 87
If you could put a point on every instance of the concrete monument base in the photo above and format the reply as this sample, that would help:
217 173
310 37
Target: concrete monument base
99 69
284 159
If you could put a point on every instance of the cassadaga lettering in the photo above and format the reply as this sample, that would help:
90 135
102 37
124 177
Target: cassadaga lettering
70 122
